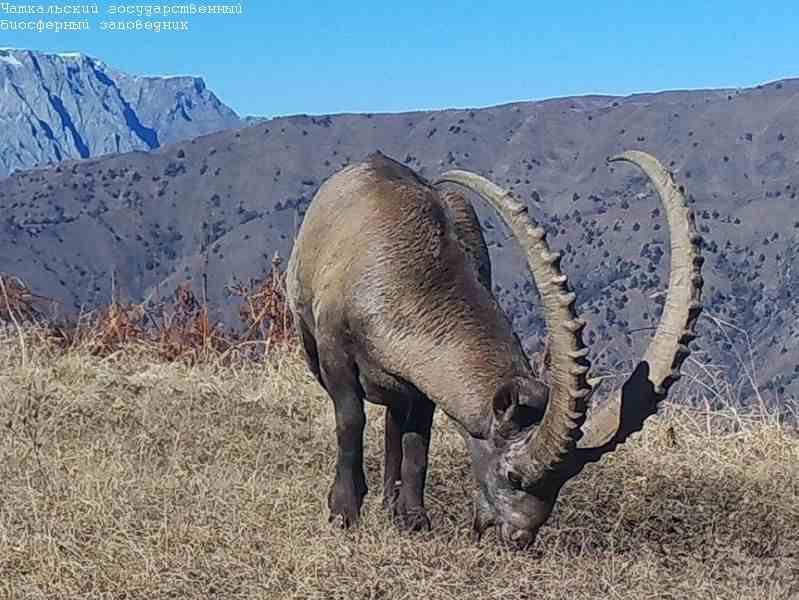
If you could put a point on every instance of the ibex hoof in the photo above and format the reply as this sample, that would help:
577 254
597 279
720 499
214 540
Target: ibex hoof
343 521
412 519
345 506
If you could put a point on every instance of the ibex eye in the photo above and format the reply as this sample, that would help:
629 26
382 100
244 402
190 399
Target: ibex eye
515 480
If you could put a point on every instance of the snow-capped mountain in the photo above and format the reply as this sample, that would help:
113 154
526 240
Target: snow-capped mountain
70 105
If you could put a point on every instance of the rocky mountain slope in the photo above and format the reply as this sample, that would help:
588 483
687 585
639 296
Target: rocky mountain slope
58 106
225 202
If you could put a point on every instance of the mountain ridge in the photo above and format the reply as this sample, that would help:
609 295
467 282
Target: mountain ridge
221 204
72 105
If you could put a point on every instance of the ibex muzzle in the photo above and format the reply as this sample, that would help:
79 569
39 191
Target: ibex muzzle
389 282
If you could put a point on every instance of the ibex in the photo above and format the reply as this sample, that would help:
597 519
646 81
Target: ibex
389 283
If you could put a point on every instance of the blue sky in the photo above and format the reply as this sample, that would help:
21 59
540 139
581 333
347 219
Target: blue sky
328 57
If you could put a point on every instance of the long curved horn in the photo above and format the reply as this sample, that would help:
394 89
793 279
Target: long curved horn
630 406
565 413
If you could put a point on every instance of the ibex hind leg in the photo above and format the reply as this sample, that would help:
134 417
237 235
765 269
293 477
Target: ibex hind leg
309 350
339 377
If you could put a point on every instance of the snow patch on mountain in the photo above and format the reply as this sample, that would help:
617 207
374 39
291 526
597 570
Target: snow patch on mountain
10 60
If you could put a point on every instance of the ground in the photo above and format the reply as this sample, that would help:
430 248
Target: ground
124 476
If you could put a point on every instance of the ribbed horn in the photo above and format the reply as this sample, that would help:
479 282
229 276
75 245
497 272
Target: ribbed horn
569 391
638 399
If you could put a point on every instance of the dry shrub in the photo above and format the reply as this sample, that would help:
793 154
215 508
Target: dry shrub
179 328
185 330
264 310
17 302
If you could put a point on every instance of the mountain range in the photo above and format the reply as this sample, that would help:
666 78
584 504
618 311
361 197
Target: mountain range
223 203
70 105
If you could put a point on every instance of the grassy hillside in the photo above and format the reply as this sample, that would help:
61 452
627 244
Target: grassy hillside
123 475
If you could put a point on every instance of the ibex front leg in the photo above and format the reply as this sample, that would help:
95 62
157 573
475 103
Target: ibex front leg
407 445
392 472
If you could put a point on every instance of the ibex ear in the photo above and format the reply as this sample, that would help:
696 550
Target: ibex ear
518 404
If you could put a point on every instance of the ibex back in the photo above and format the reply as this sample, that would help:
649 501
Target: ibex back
389 282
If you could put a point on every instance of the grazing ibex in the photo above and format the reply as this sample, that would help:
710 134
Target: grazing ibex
390 285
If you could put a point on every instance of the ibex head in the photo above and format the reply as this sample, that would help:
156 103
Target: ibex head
539 437
505 497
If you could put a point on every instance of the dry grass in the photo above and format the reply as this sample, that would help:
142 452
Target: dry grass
125 476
